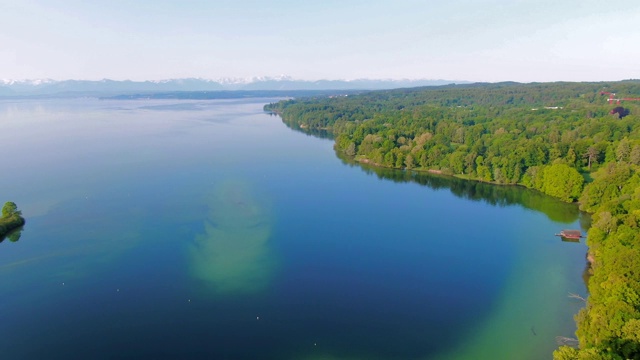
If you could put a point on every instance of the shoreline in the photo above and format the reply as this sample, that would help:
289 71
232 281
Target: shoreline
444 173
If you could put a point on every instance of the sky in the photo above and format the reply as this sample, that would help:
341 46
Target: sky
473 40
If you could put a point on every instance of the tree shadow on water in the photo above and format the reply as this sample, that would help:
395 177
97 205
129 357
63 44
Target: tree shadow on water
13 236
495 195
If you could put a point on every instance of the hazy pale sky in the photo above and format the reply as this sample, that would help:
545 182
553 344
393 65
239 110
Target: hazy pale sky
476 40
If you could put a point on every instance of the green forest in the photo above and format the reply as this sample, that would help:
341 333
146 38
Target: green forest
573 141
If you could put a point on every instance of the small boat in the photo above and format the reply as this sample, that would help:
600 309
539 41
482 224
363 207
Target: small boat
570 234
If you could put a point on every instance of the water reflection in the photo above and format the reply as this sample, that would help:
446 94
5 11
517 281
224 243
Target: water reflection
13 236
232 254
496 195
293 125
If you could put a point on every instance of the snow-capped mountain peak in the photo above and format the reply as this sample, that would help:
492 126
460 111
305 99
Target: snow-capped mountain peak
10 87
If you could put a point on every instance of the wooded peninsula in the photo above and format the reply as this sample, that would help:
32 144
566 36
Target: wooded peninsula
574 141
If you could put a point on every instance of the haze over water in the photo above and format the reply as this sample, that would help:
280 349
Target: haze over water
208 229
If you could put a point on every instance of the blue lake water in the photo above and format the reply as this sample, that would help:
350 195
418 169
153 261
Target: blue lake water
208 229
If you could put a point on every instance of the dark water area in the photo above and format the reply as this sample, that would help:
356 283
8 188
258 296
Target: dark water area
209 229
313 132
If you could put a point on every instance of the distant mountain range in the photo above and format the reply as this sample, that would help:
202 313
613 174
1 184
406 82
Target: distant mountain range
48 87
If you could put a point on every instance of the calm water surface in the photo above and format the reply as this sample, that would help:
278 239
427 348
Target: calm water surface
208 229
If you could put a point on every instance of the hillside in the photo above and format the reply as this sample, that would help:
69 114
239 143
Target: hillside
563 139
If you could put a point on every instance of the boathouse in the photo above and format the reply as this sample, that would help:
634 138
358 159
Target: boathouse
570 234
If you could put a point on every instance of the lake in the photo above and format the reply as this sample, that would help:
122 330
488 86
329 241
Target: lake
209 229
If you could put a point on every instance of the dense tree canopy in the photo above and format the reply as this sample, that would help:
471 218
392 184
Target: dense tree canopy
549 137
10 209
